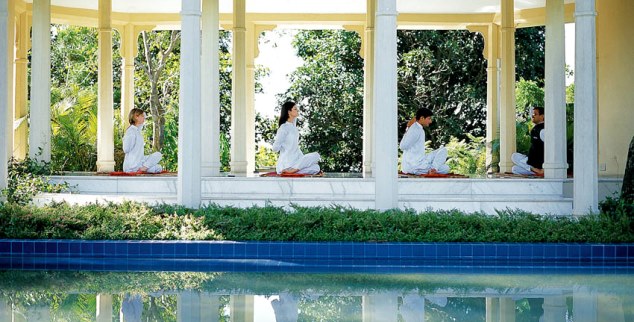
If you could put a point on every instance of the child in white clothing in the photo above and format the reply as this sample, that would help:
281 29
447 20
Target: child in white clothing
133 147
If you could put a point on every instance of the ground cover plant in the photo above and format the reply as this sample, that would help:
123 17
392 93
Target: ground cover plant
137 221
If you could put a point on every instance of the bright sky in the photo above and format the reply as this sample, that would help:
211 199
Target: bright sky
277 54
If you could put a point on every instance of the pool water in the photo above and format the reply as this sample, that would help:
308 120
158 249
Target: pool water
278 296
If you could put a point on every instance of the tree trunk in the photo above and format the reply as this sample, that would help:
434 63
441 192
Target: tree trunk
627 191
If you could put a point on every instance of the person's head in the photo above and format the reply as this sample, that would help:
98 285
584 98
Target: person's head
289 112
136 116
423 116
538 115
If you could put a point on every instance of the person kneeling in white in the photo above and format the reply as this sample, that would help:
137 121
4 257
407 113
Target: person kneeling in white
415 160
133 147
291 159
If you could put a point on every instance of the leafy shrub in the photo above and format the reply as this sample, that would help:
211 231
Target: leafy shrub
467 157
28 178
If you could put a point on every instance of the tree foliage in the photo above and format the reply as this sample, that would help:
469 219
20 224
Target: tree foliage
329 92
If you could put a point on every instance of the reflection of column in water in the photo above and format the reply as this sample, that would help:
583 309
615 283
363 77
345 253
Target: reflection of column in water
5 310
554 309
507 309
38 313
413 308
611 308
197 307
584 303
493 309
241 308
285 308
104 308
131 308
380 307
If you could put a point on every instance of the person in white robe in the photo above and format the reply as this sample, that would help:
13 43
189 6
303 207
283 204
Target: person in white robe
134 145
415 160
291 158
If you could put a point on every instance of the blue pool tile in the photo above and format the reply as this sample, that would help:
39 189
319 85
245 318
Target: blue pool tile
5 247
16 247
550 251
75 248
538 251
359 250
630 251
28 248
597 251
490 250
63 248
121 249
168 250
433 250
394 251
145 249
134 249
347 250
407 250
382 250
609 251
502 251
237 250
526 251
299 250
275 250
98 248
478 250
264 250
215 250
180 249
39 247
191 249
562 251
86 248
585 251
621 251
51 248
370 251
109 249
574 252
287 250
514 251
466 250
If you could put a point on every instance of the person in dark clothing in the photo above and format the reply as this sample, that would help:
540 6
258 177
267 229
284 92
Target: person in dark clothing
532 164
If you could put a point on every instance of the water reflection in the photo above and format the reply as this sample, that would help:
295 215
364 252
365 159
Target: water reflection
129 297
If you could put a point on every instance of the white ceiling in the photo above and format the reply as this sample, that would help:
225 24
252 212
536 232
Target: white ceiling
309 6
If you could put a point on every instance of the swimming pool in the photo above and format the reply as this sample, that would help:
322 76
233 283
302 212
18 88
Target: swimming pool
74 280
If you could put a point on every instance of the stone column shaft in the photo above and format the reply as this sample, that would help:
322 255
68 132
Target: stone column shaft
189 154
239 113
20 79
105 111
368 87
492 46
585 186
104 308
210 91
385 106
5 107
40 112
507 108
129 51
555 92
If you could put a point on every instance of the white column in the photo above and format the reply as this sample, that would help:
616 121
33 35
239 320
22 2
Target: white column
492 309
129 51
507 309
385 106
368 87
5 125
555 92
241 308
40 114
584 302
379 308
507 108
239 114
585 195
189 154
210 90
252 50
105 112
555 309
104 308
188 307
5 308
20 83
209 307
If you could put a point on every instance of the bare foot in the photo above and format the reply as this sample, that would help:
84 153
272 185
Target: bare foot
143 169
290 170
433 171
